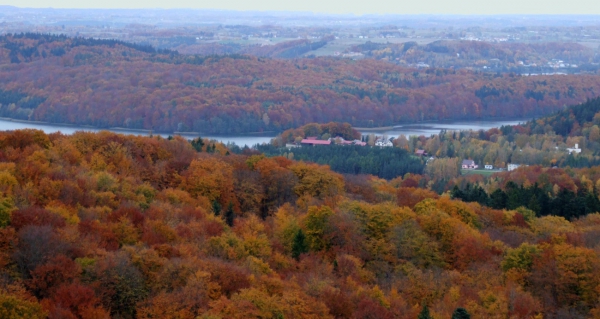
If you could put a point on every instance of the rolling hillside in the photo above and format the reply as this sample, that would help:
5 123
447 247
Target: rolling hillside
108 83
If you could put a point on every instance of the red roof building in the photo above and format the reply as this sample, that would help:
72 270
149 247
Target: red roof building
315 142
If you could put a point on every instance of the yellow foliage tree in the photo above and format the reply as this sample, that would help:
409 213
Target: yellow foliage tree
211 178
316 224
12 307
317 180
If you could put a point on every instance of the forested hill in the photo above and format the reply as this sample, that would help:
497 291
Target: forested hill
571 120
27 47
109 83
503 56
103 225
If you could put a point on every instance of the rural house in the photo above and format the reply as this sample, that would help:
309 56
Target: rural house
512 167
469 164
313 142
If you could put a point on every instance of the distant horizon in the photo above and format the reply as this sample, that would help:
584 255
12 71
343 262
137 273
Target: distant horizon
337 7
323 13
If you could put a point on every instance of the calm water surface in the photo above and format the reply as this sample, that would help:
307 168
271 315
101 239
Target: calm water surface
65 129
426 129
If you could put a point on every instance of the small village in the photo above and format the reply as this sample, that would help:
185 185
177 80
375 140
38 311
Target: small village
472 166
378 141
467 165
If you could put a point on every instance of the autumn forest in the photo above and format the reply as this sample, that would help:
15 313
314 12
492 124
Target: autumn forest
98 225
107 225
109 83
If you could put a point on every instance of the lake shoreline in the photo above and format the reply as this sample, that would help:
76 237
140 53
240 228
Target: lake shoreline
9 124
253 138
10 119
373 129
126 129
199 134
441 122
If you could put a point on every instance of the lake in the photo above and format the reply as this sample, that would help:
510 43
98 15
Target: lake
68 129
426 129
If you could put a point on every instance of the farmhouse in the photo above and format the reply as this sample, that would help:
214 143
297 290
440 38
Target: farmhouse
469 164
313 142
575 150
512 167
384 143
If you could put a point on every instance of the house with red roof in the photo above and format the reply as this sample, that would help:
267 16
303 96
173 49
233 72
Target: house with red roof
469 164
313 142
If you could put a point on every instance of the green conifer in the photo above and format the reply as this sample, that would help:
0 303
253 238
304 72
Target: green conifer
424 314
300 245
216 208
461 313
229 215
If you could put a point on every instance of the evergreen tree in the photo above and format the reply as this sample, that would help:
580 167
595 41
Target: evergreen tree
461 313
534 205
216 208
479 195
467 193
197 144
498 199
450 151
456 193
513 196
424 313
229 215
300 245
592 201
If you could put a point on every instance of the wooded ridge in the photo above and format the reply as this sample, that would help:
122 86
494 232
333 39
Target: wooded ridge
108 83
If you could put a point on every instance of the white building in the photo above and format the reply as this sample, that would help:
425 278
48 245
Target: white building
512 167
489 166
576 149
384 143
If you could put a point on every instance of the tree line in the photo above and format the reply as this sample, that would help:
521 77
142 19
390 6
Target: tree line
565 203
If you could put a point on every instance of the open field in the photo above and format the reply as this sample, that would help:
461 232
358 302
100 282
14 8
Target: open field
341 45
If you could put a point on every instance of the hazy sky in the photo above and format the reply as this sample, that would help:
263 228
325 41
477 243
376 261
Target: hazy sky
342 6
